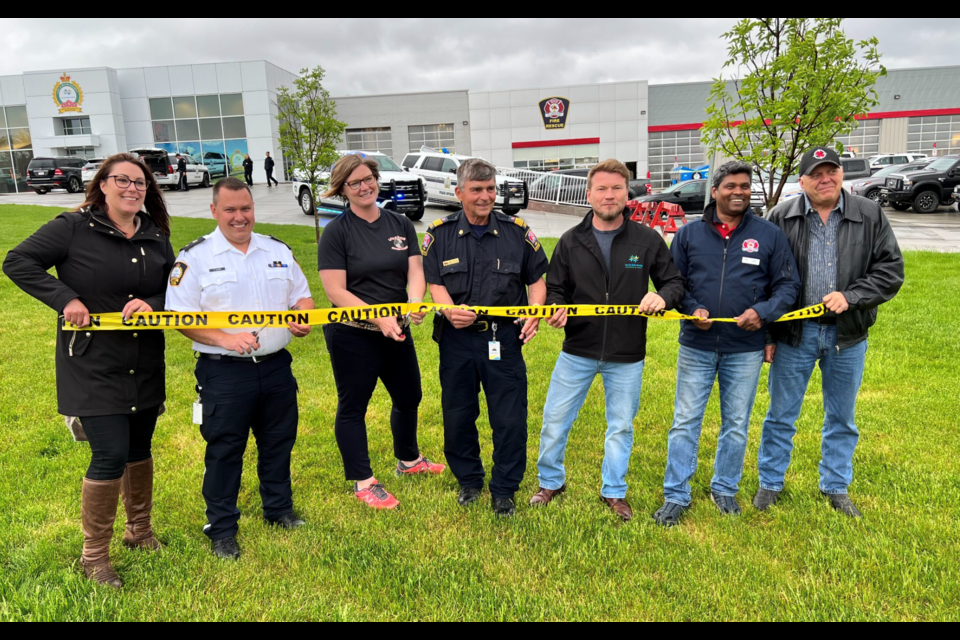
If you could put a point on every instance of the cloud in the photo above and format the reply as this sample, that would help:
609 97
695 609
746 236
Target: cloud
399 55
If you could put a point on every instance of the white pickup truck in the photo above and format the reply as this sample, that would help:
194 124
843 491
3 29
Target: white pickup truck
439 169
399 191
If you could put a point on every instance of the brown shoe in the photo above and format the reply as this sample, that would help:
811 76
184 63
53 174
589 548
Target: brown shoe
137 492
619 507
98 509
545 496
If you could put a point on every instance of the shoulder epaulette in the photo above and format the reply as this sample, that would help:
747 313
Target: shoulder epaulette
196 242
513 220
440 222
281 242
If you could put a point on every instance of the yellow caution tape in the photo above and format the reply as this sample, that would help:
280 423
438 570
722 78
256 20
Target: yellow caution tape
266 320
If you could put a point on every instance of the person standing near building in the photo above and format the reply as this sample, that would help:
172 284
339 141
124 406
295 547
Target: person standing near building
737 265
481 257
370 256
268 166
182 172
851 263
248 169
606 260
244 378
113 253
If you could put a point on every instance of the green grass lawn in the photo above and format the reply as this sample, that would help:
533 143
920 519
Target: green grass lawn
432 560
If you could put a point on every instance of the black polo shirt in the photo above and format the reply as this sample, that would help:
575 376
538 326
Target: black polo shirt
492 271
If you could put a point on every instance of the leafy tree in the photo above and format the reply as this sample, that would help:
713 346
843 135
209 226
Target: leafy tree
798 83
309 130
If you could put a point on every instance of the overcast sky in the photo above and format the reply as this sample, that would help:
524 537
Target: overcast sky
392 55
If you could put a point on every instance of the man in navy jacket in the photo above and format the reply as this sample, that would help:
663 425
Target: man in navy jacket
736 265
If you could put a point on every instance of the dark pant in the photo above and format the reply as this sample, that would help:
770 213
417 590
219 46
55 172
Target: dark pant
465 365
183 185
238 397
271 179
359 359
118 440
248 176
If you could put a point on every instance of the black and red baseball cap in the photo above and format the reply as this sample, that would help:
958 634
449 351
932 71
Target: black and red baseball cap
816 157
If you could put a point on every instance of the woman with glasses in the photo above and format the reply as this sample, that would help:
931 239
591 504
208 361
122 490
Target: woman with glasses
371 256
112 254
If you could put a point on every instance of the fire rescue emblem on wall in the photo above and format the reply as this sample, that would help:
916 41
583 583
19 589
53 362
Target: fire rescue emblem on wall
68 95
554 112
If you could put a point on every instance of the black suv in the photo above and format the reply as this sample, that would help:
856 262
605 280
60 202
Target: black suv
46 174
924 190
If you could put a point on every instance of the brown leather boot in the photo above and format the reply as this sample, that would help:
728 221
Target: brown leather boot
137 492
98 509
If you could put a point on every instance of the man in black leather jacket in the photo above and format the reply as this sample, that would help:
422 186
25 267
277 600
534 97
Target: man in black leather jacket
849 261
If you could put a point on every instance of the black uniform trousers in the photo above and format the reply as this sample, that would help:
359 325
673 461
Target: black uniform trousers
238 397
248 176
271 181
183 184
465 366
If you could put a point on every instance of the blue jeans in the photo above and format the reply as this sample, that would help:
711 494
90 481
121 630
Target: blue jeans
739 375
572 379
789 378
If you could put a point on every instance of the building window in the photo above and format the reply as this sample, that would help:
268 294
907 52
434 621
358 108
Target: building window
16 149
581 156
435 136
378 139
81 152
72 126
210 128
668 149
864 140
934 135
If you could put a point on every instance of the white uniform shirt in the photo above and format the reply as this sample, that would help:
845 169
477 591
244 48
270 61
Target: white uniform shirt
215 276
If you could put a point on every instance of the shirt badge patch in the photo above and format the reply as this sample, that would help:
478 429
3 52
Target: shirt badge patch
278 265
399 243
532 239
176 274
428 241
751 246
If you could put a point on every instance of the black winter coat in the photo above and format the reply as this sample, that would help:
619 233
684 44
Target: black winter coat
578 275
869 265
109 372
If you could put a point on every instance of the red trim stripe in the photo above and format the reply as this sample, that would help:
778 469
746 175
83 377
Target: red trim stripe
554 143
878 115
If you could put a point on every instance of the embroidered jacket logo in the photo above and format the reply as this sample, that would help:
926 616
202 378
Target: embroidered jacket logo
634 263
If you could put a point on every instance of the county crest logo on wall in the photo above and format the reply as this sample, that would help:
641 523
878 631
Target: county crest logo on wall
555 112
68 95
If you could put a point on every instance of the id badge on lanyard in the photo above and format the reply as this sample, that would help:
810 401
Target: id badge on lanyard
494 345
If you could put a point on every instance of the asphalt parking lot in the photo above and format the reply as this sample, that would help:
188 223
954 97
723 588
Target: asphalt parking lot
934 232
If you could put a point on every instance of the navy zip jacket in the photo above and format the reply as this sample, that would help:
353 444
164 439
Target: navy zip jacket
753 269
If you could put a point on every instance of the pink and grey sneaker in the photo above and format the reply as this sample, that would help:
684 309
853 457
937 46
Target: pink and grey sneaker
376 497
424 467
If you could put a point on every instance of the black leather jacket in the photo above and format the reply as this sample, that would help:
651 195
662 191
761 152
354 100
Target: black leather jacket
869 265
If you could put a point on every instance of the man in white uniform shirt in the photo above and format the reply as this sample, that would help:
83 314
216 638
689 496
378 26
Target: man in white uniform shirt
244 378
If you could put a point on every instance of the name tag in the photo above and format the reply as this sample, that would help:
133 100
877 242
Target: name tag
450 263
751 261
197 414
495 351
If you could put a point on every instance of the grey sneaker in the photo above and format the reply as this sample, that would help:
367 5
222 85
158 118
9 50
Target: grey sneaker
765 499
728 505
670 514
844 505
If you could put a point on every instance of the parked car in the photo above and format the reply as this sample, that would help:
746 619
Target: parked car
549 186
925 189
164 167
90 169
758 197
891 159
690 195
399 191
854 168
46 174
440 171
872 187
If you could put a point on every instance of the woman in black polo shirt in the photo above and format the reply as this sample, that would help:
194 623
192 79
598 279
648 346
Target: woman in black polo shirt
371 256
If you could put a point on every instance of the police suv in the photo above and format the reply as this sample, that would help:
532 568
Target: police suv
399 191
439 169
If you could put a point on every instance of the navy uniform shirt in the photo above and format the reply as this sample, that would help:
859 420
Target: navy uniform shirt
492 271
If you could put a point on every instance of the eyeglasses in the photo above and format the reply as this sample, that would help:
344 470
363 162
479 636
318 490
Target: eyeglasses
123 182
368 181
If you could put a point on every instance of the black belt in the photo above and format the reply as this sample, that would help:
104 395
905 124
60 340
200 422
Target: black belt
826 321
248 359
486 324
